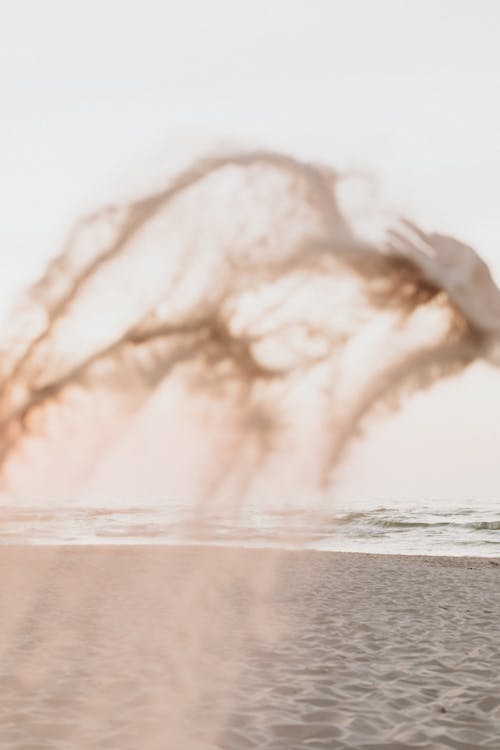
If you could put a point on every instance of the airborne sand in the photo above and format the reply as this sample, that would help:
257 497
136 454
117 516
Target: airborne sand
243 279
114 647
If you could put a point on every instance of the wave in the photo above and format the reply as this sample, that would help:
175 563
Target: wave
372 518
486 526
380 530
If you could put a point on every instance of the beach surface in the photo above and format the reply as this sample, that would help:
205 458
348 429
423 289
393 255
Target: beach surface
181 648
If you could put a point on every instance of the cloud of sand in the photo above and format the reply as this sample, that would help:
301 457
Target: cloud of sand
245 281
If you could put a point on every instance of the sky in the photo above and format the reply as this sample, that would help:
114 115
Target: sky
101 100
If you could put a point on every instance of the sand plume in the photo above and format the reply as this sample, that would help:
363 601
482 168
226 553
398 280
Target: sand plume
243 278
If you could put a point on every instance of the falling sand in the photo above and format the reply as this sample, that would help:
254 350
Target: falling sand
243 280
244 291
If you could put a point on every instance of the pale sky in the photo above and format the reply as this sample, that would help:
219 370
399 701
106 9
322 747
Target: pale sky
100 99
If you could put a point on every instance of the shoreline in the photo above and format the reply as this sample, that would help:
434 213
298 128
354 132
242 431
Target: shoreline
110 547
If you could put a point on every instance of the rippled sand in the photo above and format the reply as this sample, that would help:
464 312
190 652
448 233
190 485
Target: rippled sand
180 648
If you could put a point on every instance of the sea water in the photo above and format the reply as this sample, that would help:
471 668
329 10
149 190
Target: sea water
399 527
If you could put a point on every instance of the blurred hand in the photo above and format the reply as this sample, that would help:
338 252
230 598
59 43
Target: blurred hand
454 267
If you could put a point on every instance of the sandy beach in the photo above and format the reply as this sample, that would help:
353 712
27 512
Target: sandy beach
186 647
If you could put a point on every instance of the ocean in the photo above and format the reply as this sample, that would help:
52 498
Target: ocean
430 528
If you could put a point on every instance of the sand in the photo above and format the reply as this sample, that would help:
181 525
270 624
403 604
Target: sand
180 648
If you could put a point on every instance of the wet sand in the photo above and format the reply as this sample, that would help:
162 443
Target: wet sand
180 648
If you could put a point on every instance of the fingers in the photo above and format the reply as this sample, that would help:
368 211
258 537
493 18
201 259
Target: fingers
418 259
416 230
404 245
412 243
409 240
